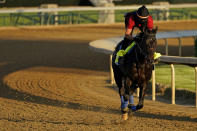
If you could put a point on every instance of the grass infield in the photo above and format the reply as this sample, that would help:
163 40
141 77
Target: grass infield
184 76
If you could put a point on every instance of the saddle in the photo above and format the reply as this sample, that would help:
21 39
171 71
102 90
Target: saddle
122 52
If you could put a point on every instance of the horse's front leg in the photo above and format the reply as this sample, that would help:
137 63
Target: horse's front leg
124 94
142 95
125 97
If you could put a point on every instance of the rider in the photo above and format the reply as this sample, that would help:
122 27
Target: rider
140 19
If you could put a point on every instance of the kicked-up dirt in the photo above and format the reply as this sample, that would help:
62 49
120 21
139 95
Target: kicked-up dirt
51 80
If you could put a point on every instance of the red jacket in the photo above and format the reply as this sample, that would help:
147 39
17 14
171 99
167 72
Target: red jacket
131 21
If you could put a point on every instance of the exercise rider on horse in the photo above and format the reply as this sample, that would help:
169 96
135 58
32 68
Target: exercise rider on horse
140 19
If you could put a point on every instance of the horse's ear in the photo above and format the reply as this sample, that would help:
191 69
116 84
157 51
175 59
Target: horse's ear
154 31
147 31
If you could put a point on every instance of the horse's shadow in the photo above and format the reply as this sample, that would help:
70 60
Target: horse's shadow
164 117
9 93
156 116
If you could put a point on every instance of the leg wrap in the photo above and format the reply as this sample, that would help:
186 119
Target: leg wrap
124 103
131 100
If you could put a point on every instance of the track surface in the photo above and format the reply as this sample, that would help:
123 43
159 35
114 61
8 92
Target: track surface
51 80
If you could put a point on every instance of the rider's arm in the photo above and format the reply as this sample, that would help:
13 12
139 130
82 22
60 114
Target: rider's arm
130 25
128 31
150 23
128 37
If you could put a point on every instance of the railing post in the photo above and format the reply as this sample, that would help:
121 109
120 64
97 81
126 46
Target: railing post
180 44
111 70
173 83
166 46
153 83
195 37
196 84
138 92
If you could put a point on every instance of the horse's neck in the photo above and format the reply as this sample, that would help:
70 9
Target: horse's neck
139 51
135 56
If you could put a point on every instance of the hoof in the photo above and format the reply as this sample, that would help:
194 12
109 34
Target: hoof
125 116
139 107
132 107
125 110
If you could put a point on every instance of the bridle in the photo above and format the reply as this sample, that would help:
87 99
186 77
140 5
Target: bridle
148 48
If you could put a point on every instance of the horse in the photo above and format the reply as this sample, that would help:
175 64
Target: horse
135 71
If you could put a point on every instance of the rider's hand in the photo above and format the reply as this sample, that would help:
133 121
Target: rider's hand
128 38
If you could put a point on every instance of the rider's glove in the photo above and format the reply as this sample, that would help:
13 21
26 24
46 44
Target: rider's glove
128 38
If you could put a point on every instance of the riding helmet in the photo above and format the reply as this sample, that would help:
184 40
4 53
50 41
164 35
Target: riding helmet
143 12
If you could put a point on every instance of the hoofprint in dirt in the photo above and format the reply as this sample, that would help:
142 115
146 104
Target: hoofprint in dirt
51 98
50 82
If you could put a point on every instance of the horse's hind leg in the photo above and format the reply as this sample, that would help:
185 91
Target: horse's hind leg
124 102
124 98
119 78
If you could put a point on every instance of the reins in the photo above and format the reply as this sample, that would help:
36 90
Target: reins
147 60
142 52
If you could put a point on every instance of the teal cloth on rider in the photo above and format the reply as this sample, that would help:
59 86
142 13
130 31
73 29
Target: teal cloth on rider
121 53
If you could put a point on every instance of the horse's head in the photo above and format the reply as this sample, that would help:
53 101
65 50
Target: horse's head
148 43
151 43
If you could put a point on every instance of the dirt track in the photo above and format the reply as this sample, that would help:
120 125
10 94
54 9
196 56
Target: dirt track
51 80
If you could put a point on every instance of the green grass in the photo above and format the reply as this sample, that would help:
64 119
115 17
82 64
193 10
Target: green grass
184 13
76 17
184 76
84 17
19 19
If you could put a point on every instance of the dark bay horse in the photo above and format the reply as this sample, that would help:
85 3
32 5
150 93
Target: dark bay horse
136 70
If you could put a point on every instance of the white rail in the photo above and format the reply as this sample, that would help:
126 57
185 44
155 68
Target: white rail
107 46
25 10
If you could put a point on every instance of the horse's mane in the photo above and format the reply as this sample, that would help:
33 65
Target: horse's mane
140 51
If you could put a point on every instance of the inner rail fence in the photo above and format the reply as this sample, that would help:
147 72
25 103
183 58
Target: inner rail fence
86 15
107 46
